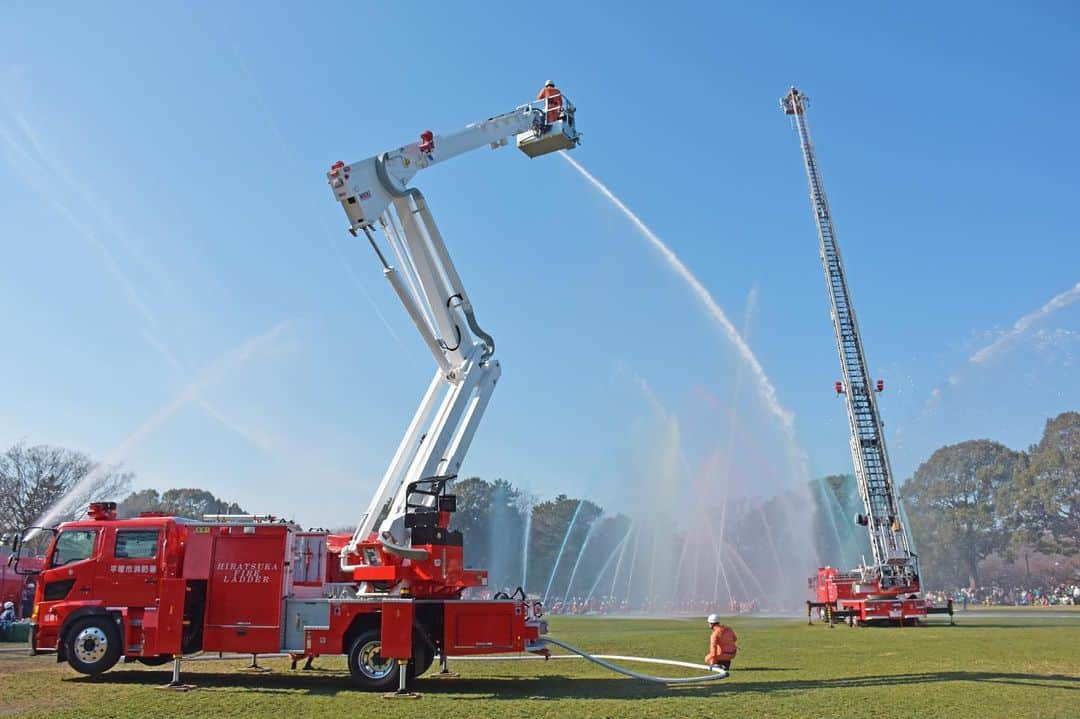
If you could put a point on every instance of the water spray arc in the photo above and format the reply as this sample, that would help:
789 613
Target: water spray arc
562 548
581 553
765 385
607 564
622 553
525 546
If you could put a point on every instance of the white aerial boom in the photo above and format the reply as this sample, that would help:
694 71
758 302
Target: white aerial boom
375 195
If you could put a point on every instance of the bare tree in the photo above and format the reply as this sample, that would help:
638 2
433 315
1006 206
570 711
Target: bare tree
34 479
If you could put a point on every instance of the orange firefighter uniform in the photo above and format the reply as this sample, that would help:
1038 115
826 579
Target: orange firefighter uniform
553 106
722 647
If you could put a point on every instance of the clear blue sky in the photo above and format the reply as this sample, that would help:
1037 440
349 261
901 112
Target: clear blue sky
166 221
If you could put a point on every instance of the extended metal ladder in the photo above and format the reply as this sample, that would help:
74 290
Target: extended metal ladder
872 469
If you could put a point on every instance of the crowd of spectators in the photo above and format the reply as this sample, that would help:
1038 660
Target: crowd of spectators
1061 594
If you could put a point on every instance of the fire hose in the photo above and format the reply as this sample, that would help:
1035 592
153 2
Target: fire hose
601 659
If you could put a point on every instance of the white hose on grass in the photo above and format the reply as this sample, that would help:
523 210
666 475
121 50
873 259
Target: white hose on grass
714 672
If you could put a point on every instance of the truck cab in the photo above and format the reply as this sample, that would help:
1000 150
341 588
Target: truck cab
104 586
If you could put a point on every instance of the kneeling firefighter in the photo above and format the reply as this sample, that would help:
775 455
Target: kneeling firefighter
722 647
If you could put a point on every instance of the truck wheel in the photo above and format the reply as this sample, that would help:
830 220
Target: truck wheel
423 657
368 667
93 645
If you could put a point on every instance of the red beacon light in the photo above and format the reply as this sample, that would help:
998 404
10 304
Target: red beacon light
335 167
102 511
427 142
880 385
839 387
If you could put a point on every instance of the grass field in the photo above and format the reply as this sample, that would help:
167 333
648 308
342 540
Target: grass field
1023 666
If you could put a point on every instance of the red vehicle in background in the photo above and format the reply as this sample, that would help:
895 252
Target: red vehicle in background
858 598
18 587
887 588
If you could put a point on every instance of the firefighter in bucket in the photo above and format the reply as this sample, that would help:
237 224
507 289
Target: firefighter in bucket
553 101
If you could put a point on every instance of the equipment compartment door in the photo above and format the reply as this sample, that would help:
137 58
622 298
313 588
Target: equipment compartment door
245 591
484 627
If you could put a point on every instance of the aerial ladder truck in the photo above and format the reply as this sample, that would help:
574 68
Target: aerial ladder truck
390 595
887 588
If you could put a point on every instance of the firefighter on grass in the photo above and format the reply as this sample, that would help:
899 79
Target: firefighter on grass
722 647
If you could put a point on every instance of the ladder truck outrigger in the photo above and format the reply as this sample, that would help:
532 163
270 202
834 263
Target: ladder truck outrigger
390 595
887 589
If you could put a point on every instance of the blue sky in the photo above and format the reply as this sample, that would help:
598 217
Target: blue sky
180 294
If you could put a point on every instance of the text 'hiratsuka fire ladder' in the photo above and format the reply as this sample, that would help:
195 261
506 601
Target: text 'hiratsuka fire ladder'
894 565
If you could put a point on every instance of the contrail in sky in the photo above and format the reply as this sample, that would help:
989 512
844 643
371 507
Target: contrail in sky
1021 326
188 394
39 170
765 386
38 173
256 438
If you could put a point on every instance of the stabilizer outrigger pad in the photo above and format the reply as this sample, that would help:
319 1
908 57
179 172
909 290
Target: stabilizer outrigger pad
176 685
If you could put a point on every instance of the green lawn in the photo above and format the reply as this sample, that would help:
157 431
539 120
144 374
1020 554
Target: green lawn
1024 666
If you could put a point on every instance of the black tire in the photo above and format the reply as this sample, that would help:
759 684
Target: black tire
423 657
159 660
368 668
374 673
92 645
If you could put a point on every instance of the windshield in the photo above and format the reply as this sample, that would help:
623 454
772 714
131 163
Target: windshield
73 545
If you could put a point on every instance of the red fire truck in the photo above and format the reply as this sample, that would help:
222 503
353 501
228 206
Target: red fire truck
886 589
155 587
389 596
859 598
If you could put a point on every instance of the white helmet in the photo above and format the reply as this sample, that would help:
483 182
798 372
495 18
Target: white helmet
549 83
9 605
713 619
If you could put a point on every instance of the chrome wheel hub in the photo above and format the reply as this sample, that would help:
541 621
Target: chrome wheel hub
91 645
372 663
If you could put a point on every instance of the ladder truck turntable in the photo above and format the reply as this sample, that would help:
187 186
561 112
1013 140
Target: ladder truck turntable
389 596
886 590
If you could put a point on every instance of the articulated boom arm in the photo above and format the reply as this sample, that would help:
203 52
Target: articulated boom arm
415 260
893 562
367 188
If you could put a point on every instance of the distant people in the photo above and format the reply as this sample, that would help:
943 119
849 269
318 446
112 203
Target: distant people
553 106
28 599
722 647
7 617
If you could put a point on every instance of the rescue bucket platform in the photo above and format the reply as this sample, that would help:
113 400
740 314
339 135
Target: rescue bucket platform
548 137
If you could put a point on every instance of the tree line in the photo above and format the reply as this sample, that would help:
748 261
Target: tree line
968 504
977 500
34 479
